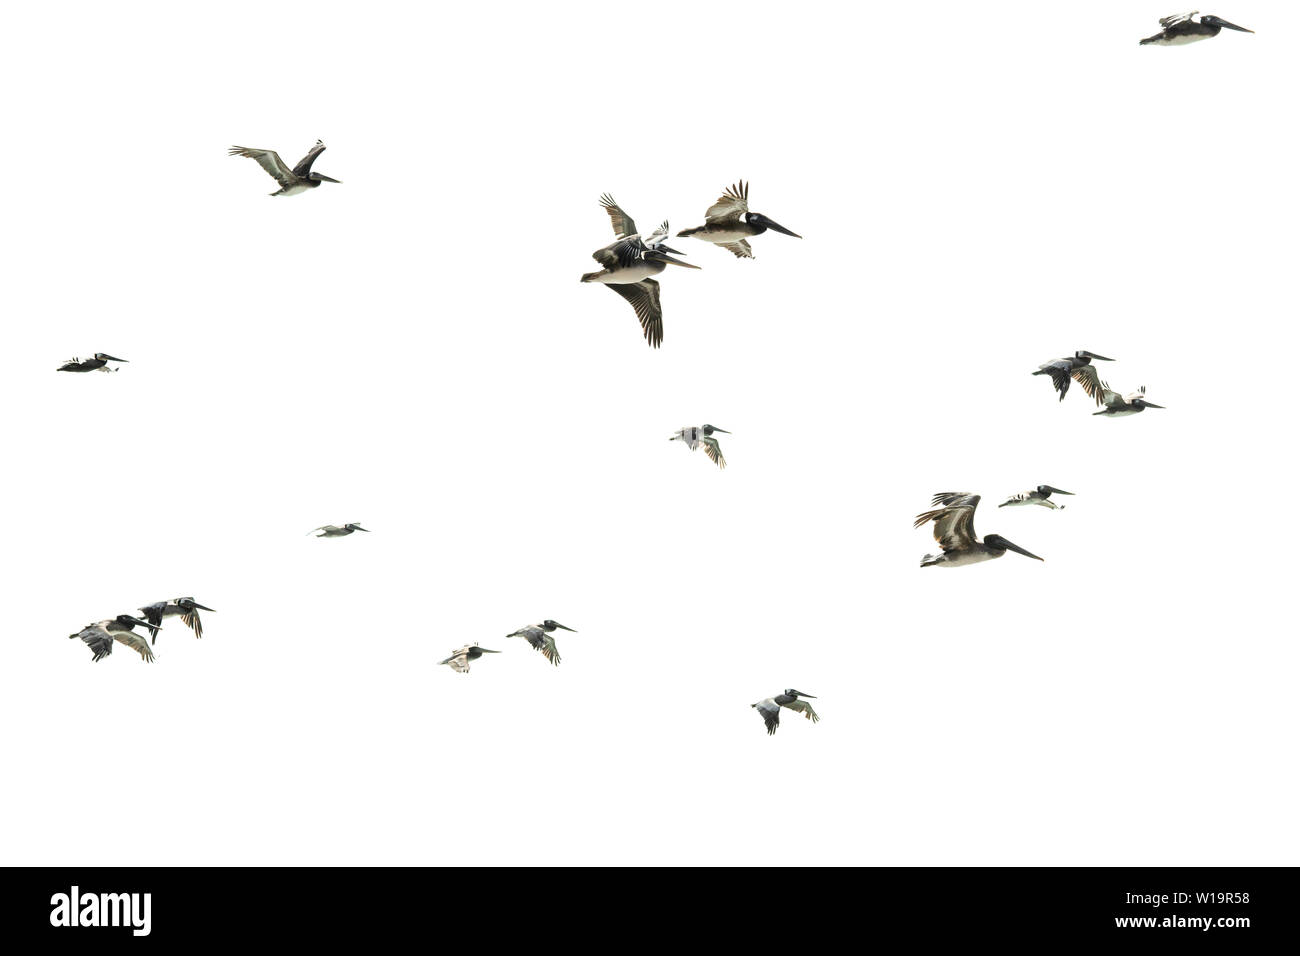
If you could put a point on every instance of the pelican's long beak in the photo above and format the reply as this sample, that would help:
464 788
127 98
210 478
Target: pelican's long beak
676 252
563 628
366 530
1224 23
781 229
112 358
486 651
800 693
1019 550
136 620
324 178
203 608
723 430
669 259
1098 358
1152 405
1058 491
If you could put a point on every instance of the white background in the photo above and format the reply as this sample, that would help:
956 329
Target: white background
980 189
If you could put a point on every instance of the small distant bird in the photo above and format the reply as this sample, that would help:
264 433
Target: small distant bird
629 262
954 529
459 660
334 531
186 608
1038 496
1117 405
696 435
99 637
729 223
539 635
1077 367
292 181
1188 28
770 707
97 364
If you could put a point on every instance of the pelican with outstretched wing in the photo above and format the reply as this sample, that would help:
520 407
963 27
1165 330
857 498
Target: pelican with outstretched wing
460 658
1078 367
97 364
701 436
770 707
99 637
627 265
292 181
1117 405
729 223
186 608
954 529
1039 496
541 639
1183 28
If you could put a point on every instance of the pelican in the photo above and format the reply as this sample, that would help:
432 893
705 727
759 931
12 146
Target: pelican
1077 367
1188 28
954 529
186 608
629 262
696 435
292 181
99 637
539 635
460 658
729 223
97 364
1039 496
1118 405
770 707
334 531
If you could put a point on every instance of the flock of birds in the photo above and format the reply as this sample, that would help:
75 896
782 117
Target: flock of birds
628 266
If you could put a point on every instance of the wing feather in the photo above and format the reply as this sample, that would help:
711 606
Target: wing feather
644 296
623 223
730 205
269 160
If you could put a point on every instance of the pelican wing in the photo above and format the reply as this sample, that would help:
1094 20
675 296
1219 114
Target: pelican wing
805 708
730 205
136 642
269 160
954 524
623 224
1170 21
73 365
659 235
771 714
191 620
1060 373
740 248
714 451
624 252
644 296
459 660
550 651
97 638
303 169
1089 381
1109 397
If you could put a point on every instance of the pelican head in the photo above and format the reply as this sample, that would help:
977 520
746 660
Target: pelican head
133 621
1214 21
322 178
763 223
549 625
710 429
105 357
1084 356
998 543
353 526
191 604
791 692
1049 490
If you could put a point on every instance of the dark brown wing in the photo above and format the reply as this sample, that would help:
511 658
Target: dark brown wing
644 296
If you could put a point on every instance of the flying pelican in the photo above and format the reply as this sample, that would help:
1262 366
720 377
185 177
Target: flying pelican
98 363
460 658
334 531
1077 367
954 529
1183 28
729 223
1118 405
186 608
99 637
292 181
629 262
696 435
770 707
539 635
1038 496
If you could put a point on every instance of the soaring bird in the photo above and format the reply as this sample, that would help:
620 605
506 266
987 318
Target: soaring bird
1117 405
186 608
1039 496
954 529
539 635
1078 367
770 707
292 181
460 658
97 364
334 531
629 262
701 435
729 223
99 637
1188 28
